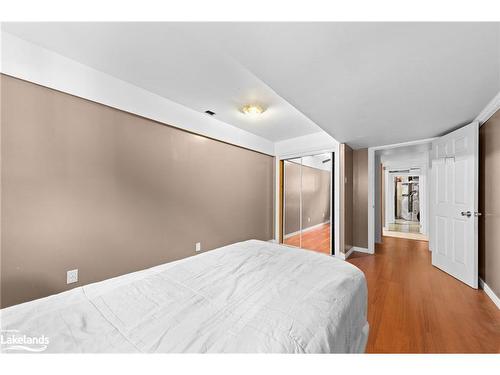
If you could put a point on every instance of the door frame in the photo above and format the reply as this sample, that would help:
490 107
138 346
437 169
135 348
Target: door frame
372 168
334 215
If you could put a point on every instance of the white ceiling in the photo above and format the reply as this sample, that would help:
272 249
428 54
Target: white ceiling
170 60
371 84
366 84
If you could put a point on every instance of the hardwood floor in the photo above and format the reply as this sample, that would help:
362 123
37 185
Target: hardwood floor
317 239
407 235
414 307
404 226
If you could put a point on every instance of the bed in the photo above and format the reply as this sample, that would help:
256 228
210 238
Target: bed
251 296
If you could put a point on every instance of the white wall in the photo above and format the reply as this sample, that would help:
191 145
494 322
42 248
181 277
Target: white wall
378 203
32 63
307 144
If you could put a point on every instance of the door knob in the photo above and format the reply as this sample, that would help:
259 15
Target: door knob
466 213
477 213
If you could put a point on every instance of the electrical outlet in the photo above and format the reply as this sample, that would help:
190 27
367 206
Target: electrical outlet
308 219
71 276
198 246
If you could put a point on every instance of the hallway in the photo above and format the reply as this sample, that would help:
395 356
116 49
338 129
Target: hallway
414 307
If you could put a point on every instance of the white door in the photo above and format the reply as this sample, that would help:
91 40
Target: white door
454 202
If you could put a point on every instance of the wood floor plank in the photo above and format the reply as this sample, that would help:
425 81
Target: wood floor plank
414 307
317 239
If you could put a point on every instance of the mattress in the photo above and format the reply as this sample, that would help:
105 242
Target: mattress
250 296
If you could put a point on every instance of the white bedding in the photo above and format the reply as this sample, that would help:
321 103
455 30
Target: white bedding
251 296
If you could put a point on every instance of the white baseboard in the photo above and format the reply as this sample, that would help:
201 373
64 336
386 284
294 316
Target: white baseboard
490 293
344 256
306 229
353 249
361 250
349 252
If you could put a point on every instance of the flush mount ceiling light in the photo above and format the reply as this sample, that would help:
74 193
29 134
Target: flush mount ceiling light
252 109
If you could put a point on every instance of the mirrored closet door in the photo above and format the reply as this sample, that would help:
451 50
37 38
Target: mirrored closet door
307 202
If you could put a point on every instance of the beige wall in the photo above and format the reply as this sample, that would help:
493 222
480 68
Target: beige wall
489 202
360 198
346 198
90 187
315 196
315 187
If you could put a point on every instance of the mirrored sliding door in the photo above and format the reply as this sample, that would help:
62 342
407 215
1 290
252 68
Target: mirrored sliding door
307 202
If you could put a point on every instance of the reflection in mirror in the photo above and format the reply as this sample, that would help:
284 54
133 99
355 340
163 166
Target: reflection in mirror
307 205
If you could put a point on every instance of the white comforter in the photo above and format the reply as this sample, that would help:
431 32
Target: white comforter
252 296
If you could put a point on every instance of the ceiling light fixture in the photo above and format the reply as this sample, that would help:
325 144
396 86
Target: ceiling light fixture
252 109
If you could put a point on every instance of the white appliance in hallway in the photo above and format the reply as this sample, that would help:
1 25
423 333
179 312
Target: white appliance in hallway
406 194
454 204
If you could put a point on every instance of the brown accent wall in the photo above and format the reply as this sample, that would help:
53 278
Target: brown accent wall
315 185
346 198
90 187
360 198
489 202
315 196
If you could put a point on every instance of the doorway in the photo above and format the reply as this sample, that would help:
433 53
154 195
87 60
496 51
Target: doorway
398 197
307 202
451 163
402 205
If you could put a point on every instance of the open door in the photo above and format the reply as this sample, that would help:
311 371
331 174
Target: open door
454 203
